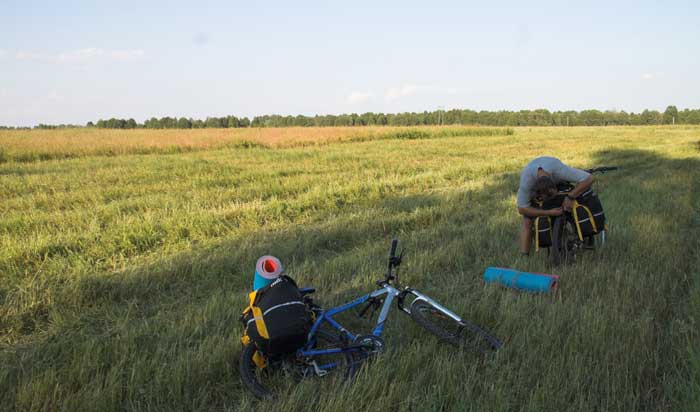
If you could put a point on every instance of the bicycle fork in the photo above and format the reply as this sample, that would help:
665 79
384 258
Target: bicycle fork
419 296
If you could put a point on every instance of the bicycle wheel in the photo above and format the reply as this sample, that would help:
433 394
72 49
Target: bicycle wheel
564 238
282 372
457 333
277 376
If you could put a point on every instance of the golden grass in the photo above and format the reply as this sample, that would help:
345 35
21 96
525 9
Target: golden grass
27 145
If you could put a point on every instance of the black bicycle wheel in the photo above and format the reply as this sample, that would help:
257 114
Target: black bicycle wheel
563 241
277 375
281 373
456 333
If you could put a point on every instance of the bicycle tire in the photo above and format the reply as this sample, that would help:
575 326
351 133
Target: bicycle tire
247 371
448 330
290 368
562 236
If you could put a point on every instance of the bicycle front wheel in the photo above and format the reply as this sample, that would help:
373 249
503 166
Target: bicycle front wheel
564 238
460 333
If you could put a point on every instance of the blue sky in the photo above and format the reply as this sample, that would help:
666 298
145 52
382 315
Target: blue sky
74 61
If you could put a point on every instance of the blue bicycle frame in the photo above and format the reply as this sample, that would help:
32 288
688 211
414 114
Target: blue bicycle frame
327 316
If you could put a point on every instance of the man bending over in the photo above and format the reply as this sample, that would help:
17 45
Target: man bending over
539 179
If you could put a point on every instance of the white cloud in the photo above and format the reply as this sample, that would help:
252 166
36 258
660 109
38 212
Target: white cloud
647 76
97 54
126 54
359 97
27 55
406 90
87 55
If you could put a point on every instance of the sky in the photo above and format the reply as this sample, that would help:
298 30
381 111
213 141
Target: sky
79 61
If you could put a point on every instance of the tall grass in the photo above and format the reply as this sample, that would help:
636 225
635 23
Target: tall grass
38 145
122 277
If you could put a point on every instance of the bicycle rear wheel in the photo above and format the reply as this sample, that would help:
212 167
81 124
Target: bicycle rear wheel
456 333
277 375
281 373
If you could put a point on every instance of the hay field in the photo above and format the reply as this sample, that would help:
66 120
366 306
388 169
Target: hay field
125 258
33 145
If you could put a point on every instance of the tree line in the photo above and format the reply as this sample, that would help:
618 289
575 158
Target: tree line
172 123
539 117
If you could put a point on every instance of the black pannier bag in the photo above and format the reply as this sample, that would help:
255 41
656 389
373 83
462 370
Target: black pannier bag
277 320
543 224
543 232
589 217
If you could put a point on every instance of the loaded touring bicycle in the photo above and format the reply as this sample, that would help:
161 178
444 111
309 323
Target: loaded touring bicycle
288 337
583 227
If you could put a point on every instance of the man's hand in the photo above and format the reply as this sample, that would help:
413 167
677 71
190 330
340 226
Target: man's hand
568 204
555 212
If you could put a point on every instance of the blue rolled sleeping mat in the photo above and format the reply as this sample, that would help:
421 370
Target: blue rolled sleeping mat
267 269
531 282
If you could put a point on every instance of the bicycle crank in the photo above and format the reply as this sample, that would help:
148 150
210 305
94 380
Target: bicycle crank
369 344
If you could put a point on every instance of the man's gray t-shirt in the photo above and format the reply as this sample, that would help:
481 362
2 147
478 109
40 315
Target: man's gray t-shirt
559 171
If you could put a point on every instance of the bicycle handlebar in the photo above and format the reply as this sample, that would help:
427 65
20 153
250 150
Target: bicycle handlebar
394 261
602 169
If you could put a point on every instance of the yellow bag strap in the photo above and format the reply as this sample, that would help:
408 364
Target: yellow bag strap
590 215
537 230
260 323
590 218
259 360
257 315
578 227
251 300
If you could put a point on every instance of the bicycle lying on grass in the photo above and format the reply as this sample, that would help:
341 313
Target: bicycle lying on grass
330 346
568 237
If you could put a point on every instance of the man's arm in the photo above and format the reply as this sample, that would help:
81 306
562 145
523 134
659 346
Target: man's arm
583 180
581 187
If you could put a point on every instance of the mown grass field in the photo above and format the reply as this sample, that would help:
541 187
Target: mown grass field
125 258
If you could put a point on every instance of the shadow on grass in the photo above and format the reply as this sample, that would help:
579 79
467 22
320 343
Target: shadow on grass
165 335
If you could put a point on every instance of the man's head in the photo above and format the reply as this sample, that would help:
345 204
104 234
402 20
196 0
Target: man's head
544 187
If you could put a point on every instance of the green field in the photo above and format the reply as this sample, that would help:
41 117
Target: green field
122 275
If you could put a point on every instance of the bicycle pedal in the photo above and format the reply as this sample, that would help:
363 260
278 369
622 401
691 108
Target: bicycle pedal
318 371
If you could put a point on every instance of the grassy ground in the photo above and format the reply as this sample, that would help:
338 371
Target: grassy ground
122 276
33 145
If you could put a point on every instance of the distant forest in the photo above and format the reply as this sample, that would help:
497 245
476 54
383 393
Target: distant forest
540 117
